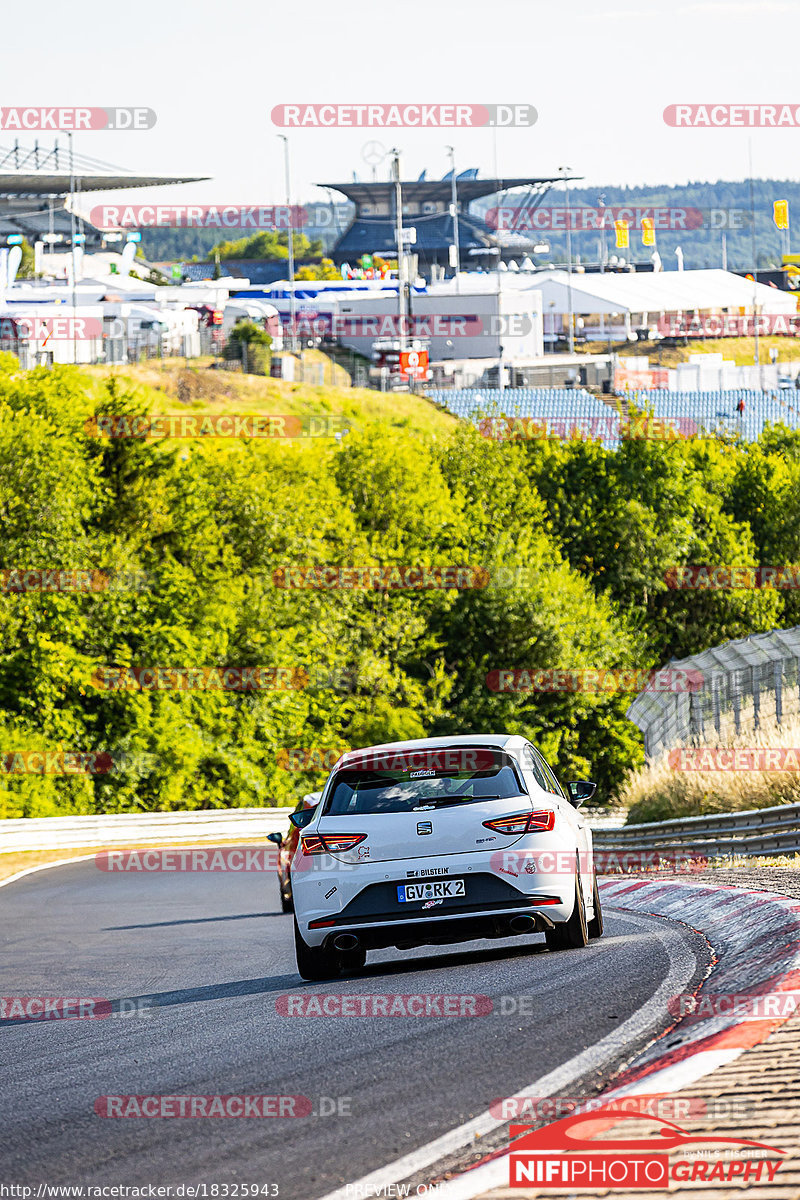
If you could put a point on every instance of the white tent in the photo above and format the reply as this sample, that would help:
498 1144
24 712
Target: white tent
636 300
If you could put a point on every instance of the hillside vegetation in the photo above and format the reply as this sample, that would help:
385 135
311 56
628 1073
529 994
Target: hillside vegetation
576 542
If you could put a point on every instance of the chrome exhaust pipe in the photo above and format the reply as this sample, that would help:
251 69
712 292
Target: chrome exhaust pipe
522 923
346 941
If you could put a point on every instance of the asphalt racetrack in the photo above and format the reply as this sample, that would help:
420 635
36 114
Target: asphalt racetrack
200 962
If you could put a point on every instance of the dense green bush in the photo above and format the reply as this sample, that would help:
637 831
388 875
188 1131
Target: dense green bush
576 541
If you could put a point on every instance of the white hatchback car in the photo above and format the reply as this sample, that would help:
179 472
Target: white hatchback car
439 841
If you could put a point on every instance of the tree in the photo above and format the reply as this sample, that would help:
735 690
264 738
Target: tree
325 270
26 266
251 343
269 245
626 518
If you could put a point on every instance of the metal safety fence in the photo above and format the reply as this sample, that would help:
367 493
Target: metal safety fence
743 686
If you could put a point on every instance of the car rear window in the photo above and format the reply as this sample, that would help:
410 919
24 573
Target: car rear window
403 783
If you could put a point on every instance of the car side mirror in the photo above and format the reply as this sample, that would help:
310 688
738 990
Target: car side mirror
579 792
302 818
277 838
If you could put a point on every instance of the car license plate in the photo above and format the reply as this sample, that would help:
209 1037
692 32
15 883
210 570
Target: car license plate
439 889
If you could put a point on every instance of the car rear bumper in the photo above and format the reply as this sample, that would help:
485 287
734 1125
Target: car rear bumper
437 931
491 907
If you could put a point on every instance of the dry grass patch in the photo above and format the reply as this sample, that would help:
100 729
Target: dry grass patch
660 792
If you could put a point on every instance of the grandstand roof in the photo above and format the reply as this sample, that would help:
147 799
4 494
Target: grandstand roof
374 231
382 191
37 183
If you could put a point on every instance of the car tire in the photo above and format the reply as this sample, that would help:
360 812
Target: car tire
286 903
573 933
595 926
353 960
314 962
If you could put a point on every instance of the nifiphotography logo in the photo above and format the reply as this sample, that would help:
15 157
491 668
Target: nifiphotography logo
557 1156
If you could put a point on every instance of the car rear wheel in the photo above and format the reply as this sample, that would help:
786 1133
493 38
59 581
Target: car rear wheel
314 962
571 934
353 960
595 926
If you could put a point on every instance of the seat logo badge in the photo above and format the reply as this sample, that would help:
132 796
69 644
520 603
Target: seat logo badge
424 827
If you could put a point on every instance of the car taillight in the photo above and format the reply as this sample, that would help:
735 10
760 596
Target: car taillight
524 822
330 843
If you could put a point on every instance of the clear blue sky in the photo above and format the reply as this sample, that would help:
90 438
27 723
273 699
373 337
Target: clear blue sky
599 80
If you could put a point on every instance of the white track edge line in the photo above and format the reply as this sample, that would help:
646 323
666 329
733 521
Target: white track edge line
682 967
61 862
474 1184
471 1185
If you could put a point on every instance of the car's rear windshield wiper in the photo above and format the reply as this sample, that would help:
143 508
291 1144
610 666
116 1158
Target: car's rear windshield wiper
441 801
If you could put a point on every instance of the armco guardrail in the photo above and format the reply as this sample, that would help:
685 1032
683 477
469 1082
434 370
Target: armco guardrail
604 818
765 831
126 829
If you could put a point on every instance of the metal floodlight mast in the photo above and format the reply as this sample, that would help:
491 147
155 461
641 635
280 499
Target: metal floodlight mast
398 220
72 248
292 302
564 171
454 211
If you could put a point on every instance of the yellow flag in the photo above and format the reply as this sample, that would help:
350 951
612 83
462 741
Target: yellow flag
780 213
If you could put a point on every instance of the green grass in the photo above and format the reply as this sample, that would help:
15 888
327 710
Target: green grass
172 387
